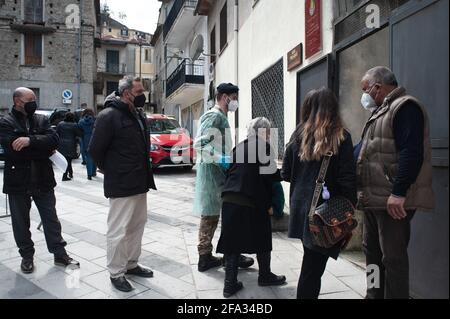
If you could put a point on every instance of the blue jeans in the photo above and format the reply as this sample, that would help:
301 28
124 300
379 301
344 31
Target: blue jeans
84 152
90 166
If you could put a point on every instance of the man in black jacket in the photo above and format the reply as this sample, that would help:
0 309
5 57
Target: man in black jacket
120 147
29 141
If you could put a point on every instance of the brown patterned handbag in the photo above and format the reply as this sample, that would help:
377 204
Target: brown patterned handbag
332 222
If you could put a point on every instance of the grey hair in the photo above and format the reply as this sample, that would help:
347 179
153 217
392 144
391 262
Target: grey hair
127 83
256 124
382 75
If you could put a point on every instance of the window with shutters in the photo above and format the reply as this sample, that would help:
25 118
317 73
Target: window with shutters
213 45
36 92
33 11
33 49
147 84
223 27
148 56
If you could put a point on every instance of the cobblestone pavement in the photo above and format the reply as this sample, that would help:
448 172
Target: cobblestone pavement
169 248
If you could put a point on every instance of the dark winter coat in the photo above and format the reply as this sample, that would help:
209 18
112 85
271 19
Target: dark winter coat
86 124
340 181
68 132
120 146
247 196
29 170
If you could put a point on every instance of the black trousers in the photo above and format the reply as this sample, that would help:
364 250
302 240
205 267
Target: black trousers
69 170
20 205
385 243
310 280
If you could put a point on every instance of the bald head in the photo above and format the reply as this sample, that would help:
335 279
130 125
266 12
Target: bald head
21 92
21 97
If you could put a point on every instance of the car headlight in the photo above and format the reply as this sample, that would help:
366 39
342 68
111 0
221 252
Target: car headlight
154 148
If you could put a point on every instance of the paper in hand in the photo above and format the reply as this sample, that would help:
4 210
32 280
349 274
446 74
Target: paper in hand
60 161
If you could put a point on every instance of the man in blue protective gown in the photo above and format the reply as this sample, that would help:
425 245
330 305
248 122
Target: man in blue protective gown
213 146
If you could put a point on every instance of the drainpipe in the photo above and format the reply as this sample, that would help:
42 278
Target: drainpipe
79 67
236 63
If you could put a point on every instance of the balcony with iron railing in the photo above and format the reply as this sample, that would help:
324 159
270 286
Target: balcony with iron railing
185 73
111 68
177 8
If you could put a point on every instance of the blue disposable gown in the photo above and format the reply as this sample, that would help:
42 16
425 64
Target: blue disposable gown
212 142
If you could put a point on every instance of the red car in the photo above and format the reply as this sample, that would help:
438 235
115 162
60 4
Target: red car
171 145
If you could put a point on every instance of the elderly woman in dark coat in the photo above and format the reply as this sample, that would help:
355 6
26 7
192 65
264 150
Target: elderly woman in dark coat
68 132
320 130
247 199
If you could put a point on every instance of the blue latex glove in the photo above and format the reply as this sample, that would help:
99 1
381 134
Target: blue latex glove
225 162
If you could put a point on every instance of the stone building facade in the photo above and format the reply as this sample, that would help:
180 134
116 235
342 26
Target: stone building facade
43 48
123 51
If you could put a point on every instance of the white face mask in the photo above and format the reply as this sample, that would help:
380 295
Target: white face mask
368 102
233 106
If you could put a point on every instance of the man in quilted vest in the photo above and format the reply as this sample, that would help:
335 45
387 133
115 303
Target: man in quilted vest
394 179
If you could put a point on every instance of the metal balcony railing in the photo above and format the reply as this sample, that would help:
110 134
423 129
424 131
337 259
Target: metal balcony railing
185 73
112 68
175 11
116 68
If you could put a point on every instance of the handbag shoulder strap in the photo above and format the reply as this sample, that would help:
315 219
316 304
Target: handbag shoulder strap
320 182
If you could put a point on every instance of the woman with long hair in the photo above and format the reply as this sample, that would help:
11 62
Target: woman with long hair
320 131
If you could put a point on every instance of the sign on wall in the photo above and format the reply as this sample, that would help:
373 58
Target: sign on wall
313 27
67 96
295 57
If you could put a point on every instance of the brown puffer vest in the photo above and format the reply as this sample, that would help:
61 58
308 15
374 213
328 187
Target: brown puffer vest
377 164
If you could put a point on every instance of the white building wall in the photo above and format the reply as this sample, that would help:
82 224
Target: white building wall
199 29
267 32
266 36
123 57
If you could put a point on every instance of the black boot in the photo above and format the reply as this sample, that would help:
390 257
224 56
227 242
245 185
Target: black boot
231 285
65 178
207 262
245 262
27 266
266 277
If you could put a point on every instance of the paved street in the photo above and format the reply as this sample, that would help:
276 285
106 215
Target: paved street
169 248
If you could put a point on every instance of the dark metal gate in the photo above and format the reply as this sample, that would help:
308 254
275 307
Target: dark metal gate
268 100
419 57
313 77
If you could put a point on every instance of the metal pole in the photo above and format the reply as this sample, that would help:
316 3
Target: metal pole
140 60
80 34
236 64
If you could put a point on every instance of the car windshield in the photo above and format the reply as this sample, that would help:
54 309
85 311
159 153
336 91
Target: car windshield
164 126
44 112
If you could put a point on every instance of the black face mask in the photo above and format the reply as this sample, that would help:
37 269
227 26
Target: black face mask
30 108
139 101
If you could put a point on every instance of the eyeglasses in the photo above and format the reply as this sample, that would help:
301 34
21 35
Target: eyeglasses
371 88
